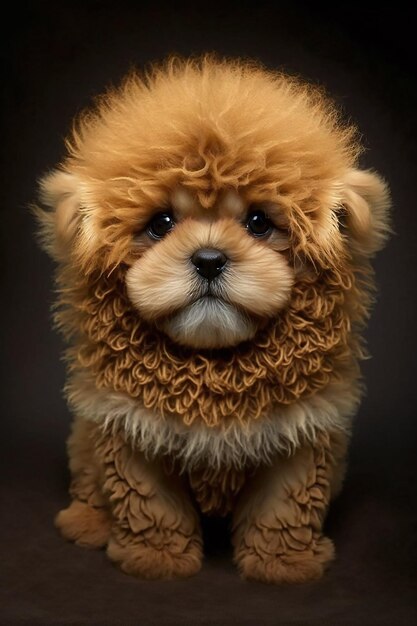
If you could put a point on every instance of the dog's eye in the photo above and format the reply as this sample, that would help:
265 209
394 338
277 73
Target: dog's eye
258 224
160 225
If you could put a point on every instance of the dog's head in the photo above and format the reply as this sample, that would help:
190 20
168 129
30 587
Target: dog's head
215 186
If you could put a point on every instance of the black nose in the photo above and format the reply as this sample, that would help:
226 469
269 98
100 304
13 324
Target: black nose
209 262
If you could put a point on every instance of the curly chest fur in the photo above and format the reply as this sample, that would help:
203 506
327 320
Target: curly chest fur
294 357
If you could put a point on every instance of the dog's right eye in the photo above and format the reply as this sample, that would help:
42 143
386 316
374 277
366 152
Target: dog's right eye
160 225
258 224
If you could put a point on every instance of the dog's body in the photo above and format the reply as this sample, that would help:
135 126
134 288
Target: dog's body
213 237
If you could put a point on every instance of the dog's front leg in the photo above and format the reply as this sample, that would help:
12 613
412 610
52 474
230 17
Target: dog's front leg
155 531
278 521
87 520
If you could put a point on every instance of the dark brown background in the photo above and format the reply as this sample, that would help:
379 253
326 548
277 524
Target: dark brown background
57 56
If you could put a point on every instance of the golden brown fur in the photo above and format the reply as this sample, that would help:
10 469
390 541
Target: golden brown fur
210 141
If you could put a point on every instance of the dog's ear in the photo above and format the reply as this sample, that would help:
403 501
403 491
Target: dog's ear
60 222
364 215
61 194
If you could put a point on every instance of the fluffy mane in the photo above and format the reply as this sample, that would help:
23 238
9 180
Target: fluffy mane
295 356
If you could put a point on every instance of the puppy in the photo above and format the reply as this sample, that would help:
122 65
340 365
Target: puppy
213 236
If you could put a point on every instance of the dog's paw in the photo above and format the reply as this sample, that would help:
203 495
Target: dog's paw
181 558
87 526
293 567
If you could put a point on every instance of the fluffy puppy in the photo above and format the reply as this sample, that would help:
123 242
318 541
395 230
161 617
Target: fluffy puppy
213 237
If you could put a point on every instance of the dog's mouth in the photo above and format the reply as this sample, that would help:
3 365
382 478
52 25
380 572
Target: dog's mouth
207 298
209 321
214 290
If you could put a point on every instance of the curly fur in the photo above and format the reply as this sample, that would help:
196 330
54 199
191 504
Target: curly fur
172 390
291 359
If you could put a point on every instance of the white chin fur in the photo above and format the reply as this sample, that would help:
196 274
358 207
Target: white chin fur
209 323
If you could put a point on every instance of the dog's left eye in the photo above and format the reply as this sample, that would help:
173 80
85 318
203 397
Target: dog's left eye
160 225
258 224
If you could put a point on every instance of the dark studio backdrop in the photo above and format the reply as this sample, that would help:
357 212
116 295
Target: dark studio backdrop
58 55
